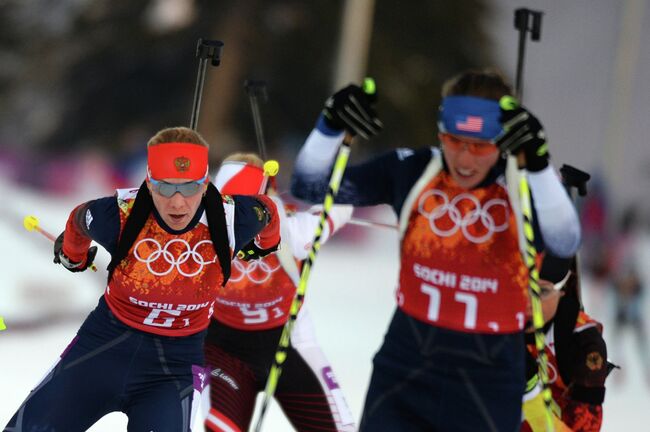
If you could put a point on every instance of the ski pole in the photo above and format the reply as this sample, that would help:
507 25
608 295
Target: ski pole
575 182
283 345
527 20
338 169
205 50
31 223
535 298
271 169
371 224
255 91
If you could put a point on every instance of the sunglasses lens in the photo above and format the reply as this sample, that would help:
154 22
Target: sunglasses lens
169 189
452 142
188 189
165 189
475 148
482 149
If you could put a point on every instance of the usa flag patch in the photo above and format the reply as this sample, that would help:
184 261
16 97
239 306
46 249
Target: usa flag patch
470 124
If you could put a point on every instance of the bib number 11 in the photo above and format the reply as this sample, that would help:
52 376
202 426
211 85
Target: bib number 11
469 300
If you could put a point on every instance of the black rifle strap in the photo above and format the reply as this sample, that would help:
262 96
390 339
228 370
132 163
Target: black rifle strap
216 215
134 223
141 210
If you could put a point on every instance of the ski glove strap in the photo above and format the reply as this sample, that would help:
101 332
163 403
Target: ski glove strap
75 267
252 252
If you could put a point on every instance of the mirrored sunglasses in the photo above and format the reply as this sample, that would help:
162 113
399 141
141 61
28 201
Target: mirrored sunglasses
169 189
478 148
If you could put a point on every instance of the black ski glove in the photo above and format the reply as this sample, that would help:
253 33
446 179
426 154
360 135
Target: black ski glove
252 252
523 133
60 258
352 109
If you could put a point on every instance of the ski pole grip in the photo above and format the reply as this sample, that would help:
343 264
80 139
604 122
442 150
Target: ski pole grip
536 29
521 19
256 88
209 49
529 20
573 177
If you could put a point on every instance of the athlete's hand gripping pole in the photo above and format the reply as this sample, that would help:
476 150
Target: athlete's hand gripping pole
340 163
205 50
31 223
527 20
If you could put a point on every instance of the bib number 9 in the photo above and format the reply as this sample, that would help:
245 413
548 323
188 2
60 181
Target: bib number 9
259 315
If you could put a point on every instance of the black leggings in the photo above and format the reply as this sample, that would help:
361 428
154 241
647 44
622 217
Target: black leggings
240 361
428 379
111 367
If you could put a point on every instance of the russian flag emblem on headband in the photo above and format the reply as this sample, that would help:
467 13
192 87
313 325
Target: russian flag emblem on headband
470 116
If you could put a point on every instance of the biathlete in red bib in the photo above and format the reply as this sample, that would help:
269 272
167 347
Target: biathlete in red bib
576 352
452 356
250 313
171 242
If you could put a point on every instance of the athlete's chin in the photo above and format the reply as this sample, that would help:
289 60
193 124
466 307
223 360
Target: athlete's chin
467 182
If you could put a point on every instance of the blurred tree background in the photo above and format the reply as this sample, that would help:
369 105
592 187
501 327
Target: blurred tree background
105 75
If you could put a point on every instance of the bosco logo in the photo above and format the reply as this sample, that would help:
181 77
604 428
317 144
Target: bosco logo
477 221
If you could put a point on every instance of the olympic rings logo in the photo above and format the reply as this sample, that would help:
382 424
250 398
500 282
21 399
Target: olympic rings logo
257 271
479 216
169 258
